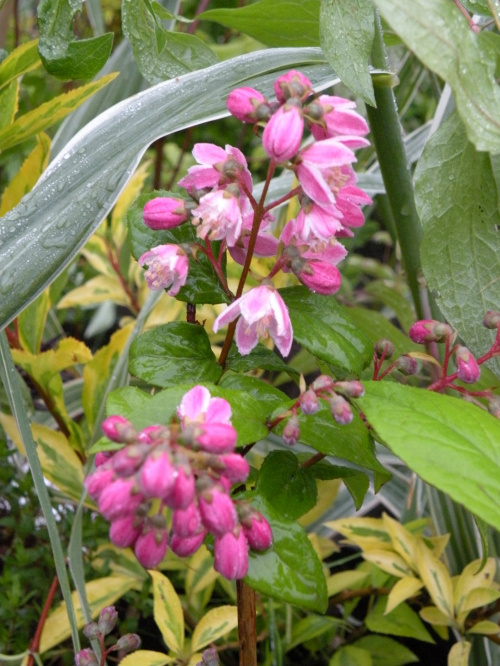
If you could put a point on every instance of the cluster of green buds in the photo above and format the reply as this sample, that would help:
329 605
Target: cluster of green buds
98 631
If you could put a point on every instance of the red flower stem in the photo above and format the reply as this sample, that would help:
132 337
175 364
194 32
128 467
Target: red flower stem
35 643
285 197
277 267
471 23
316 458
134 305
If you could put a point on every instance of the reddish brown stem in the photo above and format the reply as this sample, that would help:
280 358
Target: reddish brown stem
134 305
247 625
316 458
158 148
35 643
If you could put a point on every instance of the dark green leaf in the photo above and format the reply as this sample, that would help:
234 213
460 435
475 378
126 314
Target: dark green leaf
61 54
438 34
390 296
346 35
160 53
260 357
266 395
290 570
174 353
273 22
386 651
477 6
450 443
457 201
375 326
401 621
325 329
356 482
287 486
203 285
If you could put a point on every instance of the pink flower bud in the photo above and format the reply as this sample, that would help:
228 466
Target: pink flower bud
102 457
341 410
157 475
86 658
309 403
150 548
234 467
152 434
428 330
231 554
217 510
215 437
283 133
118 429
292 85
291 431
91 631
128 643
108 618
256 529
128 460
164 213
322 383
120 498
209 658
467 368
407 365
383 348
123 532
182 493
187 546
491 319
320 277
248 105
352 389
186 522
96 482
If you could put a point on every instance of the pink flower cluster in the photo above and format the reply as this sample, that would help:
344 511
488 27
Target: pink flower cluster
188 467
222 206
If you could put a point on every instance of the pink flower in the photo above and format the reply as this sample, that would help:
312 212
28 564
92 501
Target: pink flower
123 532
320 277
102 478
218 216
309 403
292 84
186 546
157 475
283 133
429 330
164 213
217 510
231 554
186 522
167 267
150 547
467 368
216 167
234 467
262 312
119 499
341 410
127 461
257 530
331 116
197 406
118 429
291 431
183 489
248 105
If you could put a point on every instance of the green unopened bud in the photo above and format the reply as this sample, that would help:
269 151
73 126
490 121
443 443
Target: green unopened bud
491 319
108 618
406 365
128 643
383 348
91 631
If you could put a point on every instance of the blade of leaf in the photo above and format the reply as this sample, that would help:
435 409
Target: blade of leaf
21 60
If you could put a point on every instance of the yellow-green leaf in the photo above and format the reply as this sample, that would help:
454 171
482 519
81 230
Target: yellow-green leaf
100 593
21 60
434 616
459 654
31 323
96 253
481 596
403 541
327 492
214 624
195 659
147 658
47 114
388 561
345 580
364 532
168 612
437 543
25 179
70 352
404 589
323 546
486 627
436 579
97 290
200 573
471 578
9 98
59 462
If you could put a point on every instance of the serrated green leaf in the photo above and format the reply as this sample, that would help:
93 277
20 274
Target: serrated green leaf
325 329
356 482
21 60
402 621
450 443
161 54
457 201
174 353
436 31
286 23
346 34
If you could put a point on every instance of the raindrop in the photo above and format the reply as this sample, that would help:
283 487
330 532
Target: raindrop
113 181
60 186
14 215
436 293
81 150
6 283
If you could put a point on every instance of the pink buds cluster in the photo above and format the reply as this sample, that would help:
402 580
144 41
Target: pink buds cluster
222 207
97 631
188 468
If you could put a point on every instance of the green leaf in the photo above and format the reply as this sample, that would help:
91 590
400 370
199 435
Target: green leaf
450 443
310 627
390 296
61 54
173 353
290 570
8 104
161 54
273 22
350 655
268 396
287 486
457 201
203 285
168 612
357 483
436 31
31 323
346 34
21 60
402 621
260 357
375 326
47 229
386 651
324 328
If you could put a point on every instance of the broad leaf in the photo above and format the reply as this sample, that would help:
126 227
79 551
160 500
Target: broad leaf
214 624
18 62
173 353
9 98
147 658
402 621
346 33
450 443
457 201
350 655
260 357
386 651
436 31
168 612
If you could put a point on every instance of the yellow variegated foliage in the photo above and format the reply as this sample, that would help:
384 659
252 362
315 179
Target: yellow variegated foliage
459 654
168 612
363 532
389 561
436 579
404 589
214 624
147 658
345 580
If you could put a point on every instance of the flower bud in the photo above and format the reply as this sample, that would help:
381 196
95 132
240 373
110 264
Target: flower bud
291 431
118 429
128 643
352 389
283 133
248 105
293 84
231 554
123 532
96 482
186 522
215 437
152 434
108 618
119 499
217 510
383 348
491 319
209 658
467 368
320 277
157 475
407 365
151 546
428 330
234 467
256 529
128 460
91 631
341 410
187 546
322 383
182 493
308 402
164 213
86 658
102 457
